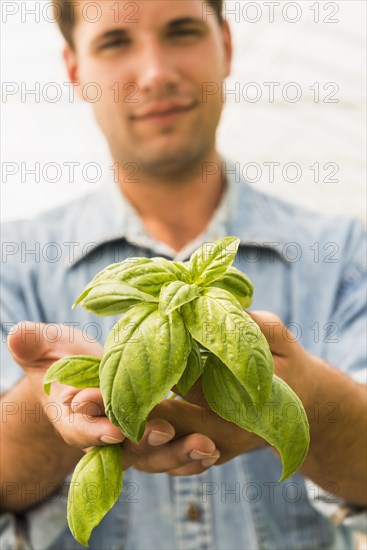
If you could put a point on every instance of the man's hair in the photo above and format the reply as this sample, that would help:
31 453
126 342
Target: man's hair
64 13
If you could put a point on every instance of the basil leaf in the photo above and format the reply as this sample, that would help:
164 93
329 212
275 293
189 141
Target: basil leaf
176 294
281 421
95 487
212 260
126 330
147 275
80 371
114 298
145 355
217 321
238 284
178 269
193 369
111 272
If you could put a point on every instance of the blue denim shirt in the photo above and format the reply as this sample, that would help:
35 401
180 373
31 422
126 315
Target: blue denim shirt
309 270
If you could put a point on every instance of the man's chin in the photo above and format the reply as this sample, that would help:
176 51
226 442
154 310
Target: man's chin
171 165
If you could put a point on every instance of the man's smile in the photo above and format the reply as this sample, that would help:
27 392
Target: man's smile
163 112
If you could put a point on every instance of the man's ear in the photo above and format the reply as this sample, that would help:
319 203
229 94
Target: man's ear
228 48
71 63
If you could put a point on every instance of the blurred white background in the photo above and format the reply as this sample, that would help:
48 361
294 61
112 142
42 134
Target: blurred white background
318 141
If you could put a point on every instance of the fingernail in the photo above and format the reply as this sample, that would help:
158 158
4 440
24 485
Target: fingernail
66 400
198 455
74 405
66 396
110 440
210 461
156 438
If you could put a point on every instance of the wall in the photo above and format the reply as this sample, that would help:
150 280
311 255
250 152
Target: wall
310 55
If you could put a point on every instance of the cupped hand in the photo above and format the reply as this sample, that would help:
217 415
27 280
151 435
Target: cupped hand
194 414
161 449
78 415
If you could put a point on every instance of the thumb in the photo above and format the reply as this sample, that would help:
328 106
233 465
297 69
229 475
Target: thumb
39 344
275 331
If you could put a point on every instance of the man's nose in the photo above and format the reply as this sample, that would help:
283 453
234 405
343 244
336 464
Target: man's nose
156 69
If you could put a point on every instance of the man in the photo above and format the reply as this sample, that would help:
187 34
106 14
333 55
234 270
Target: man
158 60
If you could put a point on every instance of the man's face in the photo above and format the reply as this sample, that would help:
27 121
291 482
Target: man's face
153 60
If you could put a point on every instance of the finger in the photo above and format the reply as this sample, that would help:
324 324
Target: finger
180 452
186 418
274 330
88 401
191 469
194 468
157 432
39 345
196 395
67 395
82 431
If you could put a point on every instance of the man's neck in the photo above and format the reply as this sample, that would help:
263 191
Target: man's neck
175 212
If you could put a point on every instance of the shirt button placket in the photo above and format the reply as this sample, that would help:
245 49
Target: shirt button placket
193 516
194 512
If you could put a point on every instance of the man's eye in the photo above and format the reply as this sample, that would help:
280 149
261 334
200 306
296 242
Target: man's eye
185 33
114 44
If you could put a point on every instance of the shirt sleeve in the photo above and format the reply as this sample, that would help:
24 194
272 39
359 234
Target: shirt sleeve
17 300
350 310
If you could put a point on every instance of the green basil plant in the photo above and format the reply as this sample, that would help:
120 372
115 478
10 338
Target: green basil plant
180 322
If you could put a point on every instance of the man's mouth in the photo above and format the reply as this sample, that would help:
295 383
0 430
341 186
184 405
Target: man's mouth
163 112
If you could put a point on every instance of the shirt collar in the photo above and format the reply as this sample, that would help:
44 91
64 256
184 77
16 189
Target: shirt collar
107 216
